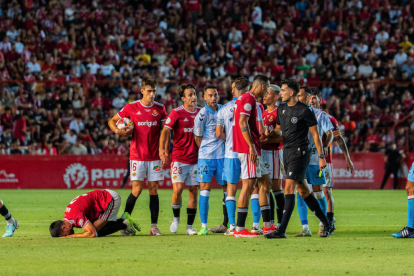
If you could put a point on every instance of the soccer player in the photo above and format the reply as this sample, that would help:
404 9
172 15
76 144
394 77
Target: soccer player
337 136
270 154
184 155
295 119
246 143
210 157
96 213
408 231
12 224
313 178
148 117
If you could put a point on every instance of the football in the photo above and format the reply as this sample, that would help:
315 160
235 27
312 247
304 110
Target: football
124 122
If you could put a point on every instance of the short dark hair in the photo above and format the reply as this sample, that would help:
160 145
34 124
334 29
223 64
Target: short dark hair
241 83
148 81
316 92
262 79
307 89
183 87
291 84
56 228
209 86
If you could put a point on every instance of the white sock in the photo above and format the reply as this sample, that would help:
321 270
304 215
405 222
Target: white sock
238 229
278 224
189 226
320 223
10 221
232 226
256 225
305 226
204 225
176 219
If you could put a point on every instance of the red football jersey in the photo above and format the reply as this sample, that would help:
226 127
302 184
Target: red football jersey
87 207
269 121
147 124
181 121
336 132
245 104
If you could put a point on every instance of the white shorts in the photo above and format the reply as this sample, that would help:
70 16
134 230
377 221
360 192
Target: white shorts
329 175
111 211
184 173
150 170
249 169
271 161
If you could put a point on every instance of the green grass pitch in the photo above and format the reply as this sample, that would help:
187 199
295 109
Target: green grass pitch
362 244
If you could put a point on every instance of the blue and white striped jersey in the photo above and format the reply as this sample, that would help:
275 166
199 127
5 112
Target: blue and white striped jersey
205 126
324 125
225 119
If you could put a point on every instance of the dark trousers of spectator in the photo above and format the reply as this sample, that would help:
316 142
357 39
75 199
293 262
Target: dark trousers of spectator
257 28
126 176
391 169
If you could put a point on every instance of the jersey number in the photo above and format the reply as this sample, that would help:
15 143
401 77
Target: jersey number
205 170
77 198
180 170
134 167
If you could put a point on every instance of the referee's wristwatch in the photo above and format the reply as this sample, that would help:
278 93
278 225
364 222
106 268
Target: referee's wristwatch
322 156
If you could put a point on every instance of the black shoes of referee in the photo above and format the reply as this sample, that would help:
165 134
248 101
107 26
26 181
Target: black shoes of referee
327 230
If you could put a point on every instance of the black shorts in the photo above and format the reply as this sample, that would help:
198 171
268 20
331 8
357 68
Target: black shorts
296 161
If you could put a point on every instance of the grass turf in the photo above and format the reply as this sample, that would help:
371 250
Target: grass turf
361 245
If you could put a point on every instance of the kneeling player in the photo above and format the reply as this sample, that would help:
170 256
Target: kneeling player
408 231
96 213
184 155
12 224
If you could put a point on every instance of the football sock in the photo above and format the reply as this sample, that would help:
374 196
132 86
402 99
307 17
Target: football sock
313 204
7 216
241 218
226 217
231 209
410 212
176 211
303 211
130 203
191 214
272 208
203 205
280 204
154 205
289 206
254 202
112 227
265 210
330 215
320 196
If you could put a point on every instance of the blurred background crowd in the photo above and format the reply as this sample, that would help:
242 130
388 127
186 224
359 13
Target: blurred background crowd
67 66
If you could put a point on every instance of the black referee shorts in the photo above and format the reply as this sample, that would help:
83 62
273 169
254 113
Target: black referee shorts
296 161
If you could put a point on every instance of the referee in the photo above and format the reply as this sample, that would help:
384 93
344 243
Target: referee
295 119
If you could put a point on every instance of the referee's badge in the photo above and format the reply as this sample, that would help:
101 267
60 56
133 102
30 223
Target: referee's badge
294 120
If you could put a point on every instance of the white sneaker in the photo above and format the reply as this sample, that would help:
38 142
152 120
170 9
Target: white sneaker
191 231
174 226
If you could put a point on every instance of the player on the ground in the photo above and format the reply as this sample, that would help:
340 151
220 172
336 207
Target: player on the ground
210 157
184 155
337 136
96 213
295 119
12 224
148 117
246 142
408 231
314 179
270 154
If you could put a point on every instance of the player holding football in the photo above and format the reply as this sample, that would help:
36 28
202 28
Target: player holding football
270 154
184 155
246 143
337 136
210 156
96 213
12 224
148 117
408 231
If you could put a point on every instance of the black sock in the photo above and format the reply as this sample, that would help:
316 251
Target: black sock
272 207
410 229
112 227
130 203
154 206
330 215
226 216
280 204
191 214
265 213
4 212
314 206
241 216
176 210
289 206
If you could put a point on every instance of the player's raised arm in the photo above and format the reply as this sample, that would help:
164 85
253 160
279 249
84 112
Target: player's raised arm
89 231
245 130
124 132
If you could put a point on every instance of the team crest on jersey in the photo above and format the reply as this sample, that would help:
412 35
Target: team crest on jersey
134 174
271 118
258 170
174 177
154 113
168 120
294 120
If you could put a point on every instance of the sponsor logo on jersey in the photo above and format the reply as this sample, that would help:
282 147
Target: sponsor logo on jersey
195 172
156 168
193 117
139 113
168 120
294 120
154 113
190 129
147 110
267 165
77 175
185 120
7 178
147 123
201 117
247 107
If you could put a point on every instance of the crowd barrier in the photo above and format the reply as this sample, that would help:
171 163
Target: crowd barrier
107 171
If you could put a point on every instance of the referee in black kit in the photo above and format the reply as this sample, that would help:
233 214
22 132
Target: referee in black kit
295 119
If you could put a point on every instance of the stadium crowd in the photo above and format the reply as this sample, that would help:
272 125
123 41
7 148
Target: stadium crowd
67 67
